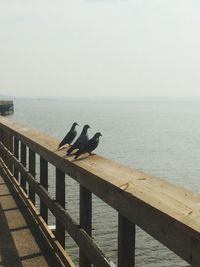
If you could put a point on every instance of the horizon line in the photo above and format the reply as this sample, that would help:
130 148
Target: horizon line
95 97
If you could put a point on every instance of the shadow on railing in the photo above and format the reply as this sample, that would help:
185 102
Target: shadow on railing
167 212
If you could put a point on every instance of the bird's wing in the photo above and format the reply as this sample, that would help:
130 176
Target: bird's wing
74 146
88 147
91 145
64 141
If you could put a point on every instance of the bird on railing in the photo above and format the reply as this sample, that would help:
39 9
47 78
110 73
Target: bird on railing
69 137
89 146
80 141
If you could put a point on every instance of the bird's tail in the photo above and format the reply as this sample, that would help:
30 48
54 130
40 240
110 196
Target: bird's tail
69 151
61 144
77 154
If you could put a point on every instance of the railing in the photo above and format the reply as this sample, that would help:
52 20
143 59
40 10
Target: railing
167 212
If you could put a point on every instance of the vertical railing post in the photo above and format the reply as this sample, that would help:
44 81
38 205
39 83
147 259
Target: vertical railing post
60 198
16 154
10 148
126 242
85 220
3 140
23 161
7 140
44 183
1 135
32 168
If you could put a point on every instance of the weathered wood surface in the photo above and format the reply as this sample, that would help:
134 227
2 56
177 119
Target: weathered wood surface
44 183
24 162
169 213
32 170
19 245
85 212
64 257
82 239
126 242
60 197
16 154
79 235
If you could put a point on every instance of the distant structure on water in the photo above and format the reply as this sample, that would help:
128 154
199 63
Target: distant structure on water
6 107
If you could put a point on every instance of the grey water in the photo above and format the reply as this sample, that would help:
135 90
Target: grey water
158 136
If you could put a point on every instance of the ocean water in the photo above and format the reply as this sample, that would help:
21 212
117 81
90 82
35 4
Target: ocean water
158 136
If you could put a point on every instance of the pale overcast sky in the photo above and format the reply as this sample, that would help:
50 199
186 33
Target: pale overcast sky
100 47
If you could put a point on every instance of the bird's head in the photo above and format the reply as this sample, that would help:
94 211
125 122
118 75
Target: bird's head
74 124
86 126
97 135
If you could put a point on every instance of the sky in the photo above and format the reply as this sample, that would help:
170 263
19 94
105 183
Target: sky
75 48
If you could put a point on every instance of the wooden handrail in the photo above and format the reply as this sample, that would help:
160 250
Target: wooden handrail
64 257
78 234
169 213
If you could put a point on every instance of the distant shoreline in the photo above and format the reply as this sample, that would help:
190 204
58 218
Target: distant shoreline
112 99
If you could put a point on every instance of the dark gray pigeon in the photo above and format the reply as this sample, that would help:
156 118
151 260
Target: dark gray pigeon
81 140
89 146
69 136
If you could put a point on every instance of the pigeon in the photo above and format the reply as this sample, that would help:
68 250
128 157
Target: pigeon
69 136
89 146
81 140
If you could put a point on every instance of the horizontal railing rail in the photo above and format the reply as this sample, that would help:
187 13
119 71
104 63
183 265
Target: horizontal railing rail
167 212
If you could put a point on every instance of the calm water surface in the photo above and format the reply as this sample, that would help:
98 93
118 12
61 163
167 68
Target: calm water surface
160 137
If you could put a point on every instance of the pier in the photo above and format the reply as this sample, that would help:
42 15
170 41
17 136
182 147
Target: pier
169 213
6 107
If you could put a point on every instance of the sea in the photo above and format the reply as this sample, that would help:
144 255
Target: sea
160 136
